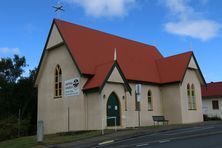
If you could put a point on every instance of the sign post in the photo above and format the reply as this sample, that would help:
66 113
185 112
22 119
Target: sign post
138 99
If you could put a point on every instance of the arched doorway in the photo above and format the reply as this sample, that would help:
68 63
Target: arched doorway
113 110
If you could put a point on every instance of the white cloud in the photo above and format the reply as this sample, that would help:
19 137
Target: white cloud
7 50
189 22
200 29
104 8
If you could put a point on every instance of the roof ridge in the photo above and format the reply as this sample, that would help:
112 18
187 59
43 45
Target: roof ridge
172 56
218 82
131 40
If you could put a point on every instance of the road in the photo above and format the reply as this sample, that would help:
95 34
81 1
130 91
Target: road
209 136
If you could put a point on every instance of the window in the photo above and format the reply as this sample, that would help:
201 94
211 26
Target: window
137 103
149 99
215 104
58 82
191 97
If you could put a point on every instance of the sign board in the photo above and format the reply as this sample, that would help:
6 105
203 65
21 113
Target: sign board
138 97
72 87
138 92
138 89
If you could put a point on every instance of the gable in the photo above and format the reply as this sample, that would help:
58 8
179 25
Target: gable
115 76
192 64
54 38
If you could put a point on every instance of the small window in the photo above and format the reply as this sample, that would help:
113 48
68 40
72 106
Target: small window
150 102
215 104
58 82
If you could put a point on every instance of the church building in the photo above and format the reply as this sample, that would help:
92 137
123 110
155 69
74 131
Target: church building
91 80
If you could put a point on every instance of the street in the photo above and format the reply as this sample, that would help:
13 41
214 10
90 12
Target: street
209 136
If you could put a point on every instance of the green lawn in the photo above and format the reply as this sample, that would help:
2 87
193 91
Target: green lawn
23 142
27 142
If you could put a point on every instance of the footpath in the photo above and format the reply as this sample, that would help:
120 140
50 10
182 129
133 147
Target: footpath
123 134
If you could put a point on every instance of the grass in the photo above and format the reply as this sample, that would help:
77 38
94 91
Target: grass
23 142
30 141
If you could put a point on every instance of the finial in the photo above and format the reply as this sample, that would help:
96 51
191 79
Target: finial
115 55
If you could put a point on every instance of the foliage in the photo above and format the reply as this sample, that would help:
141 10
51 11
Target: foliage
214 118
18 99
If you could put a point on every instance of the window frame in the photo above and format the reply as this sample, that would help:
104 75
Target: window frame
149 101
58 82
191 95
217 106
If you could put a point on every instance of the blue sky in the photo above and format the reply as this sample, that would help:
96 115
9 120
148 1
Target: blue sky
173 26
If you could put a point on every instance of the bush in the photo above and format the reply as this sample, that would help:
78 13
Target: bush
10 128
214 118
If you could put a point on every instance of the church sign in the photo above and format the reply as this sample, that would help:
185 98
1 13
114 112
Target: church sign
71 87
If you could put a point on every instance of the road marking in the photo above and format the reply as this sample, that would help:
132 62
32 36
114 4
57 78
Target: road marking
140 145
187 131
106 142
164 141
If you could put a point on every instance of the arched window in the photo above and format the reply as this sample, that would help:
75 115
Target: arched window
191 97
58 82
149 99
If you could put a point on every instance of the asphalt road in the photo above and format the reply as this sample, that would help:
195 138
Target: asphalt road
209 136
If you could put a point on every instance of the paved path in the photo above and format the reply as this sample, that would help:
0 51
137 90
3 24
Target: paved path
143 137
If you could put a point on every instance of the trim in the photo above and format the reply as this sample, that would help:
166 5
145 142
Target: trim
92 90
55 46
192 55
68 48
212 97
57 97
143 82
121 74
170 83
192 109
43 53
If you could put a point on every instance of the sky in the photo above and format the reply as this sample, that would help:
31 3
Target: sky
173 26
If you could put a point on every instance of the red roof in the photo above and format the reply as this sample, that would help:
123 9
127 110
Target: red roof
213 89
101 71
172 69
138 62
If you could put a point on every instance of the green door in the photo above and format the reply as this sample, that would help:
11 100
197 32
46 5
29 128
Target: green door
113 110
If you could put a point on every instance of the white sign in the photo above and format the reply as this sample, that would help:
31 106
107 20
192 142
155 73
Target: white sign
71 87
138 89
138 98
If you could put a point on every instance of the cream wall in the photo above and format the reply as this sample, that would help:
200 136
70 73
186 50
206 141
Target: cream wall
54 38
189 116
145 115
172 103
208 108
54 112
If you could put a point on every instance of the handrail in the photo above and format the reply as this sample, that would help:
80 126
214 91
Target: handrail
107 118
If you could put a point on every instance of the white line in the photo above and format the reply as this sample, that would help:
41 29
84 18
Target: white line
164 141
139 145
188 131
106 142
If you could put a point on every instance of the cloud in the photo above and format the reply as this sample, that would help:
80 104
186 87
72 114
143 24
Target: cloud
189 22
7 50
200 29
104 8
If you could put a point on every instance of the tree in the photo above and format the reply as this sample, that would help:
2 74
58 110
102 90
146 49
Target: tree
17 95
